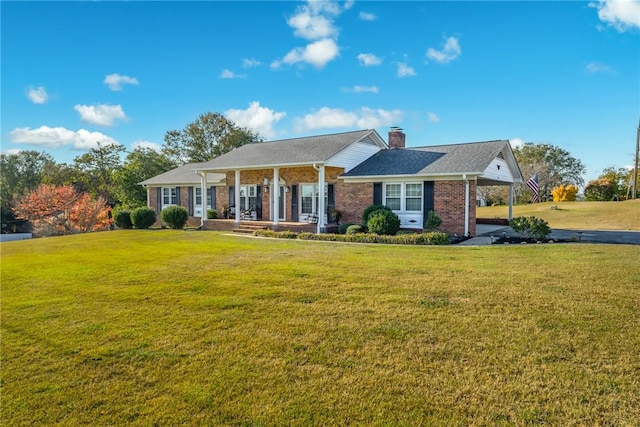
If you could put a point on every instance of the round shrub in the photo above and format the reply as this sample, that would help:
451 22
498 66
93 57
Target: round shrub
122 219
383 222
355 229
175 216
212 214
371 209
342 228
143 217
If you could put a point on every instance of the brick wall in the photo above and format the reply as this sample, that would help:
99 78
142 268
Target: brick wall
449 204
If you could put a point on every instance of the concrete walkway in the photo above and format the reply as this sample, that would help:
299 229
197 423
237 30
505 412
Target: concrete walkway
484 233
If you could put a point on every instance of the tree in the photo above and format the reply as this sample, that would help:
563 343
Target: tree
96 170
564 193
19 174
208 137
601 190
140 164
554 166
60 210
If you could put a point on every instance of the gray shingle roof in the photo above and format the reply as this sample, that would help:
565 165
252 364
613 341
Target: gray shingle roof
469 158
185 174
295 151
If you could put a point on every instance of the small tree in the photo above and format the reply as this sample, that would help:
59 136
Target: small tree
175 217
564 193
530 227
369 210
600 190
143 217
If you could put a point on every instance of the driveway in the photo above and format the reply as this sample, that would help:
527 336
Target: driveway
593 236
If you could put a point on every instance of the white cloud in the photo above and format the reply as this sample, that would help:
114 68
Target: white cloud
317 54
597 67
37 95
620 14
405 70
367 16
250 63
369 59
11 151
115 81
312 27
228 74
364 118
139 143
57 137
450 51
257 118
101 114
516 142
433 117
359 89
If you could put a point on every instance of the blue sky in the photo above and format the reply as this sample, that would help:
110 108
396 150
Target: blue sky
563 73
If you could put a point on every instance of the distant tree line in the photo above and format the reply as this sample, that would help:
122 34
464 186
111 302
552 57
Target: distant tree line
106 174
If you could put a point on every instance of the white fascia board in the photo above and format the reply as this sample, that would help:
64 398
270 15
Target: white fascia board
400 178
269 166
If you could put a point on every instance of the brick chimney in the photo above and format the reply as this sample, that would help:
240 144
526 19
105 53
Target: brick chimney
396 138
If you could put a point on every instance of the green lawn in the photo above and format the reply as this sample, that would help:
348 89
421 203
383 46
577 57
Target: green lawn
576 215
172 328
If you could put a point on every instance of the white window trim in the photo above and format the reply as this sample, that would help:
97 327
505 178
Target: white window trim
403 196
173 198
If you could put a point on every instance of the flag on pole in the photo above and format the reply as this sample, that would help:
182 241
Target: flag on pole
532 183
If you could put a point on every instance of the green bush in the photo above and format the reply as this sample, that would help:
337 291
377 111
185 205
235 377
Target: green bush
342 228
143 217
355 229
530 227
434 238
383 221
276 234
433 221
212 214
122 219
175 217
370 210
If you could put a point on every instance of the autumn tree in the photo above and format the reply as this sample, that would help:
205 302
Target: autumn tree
62 210
209 136
19 174
564 193
554 166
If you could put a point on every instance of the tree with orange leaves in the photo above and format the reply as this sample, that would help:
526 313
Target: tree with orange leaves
62 210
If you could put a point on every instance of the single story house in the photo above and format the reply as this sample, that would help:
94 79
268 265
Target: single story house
300 181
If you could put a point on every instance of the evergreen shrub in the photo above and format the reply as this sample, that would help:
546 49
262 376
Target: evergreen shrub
175 216
143 217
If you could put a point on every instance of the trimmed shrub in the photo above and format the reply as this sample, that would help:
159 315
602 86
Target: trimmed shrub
143 217
355 229
342 228
435 238
530 227
276 234
383 221
370 210
122 219
175 216
212 214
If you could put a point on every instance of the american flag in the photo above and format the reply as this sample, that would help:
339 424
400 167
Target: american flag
532 183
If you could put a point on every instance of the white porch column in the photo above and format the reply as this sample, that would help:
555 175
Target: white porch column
510 201
275 190
466 205
236 197
322 208
203 193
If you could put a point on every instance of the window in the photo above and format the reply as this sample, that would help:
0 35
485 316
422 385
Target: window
403 197
198 197
169 196
248 197
393 196
413 197
309 198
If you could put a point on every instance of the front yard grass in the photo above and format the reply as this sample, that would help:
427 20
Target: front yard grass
167 327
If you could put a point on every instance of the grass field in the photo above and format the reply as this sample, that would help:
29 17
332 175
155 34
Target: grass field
197 328
576 215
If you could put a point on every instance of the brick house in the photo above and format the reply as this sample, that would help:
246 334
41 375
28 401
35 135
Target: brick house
297 183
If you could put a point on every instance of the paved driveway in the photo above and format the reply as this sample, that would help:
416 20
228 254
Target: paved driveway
595 236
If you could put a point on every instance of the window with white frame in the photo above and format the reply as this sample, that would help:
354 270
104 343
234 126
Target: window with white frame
248 197
169 196
403 197
198 196
309 198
